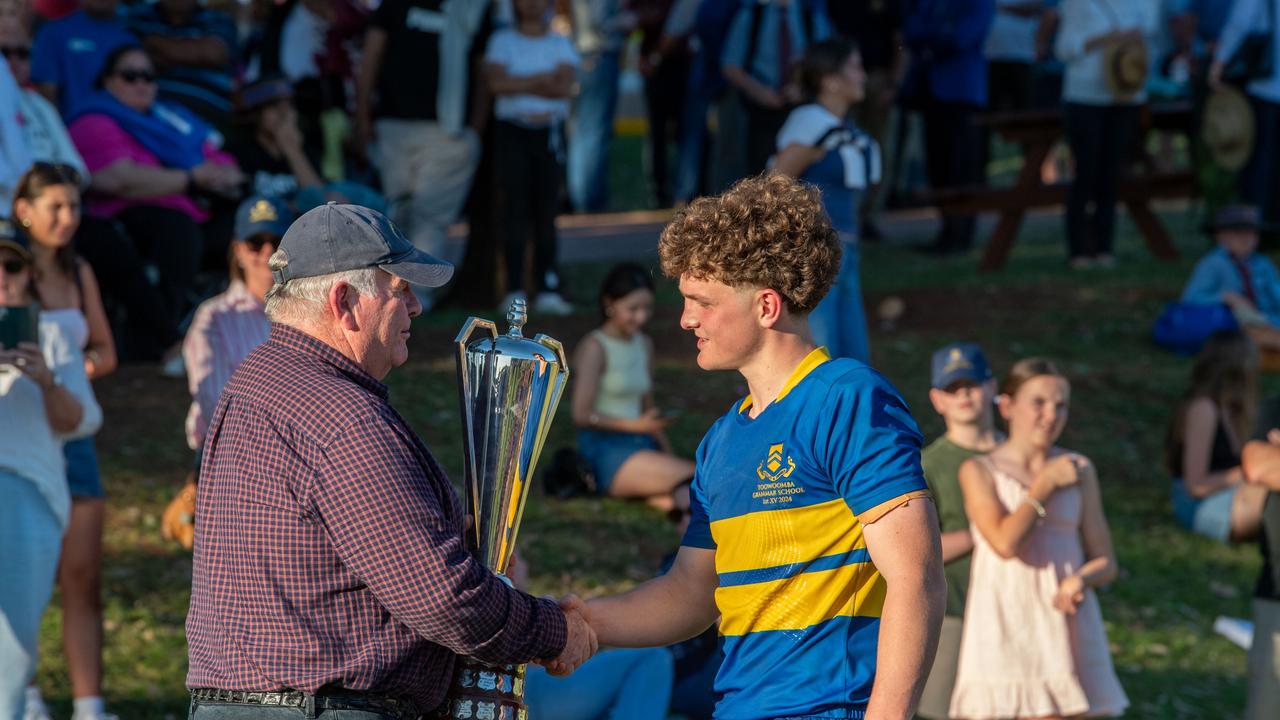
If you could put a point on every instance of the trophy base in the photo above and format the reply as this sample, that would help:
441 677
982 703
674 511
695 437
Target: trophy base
481 691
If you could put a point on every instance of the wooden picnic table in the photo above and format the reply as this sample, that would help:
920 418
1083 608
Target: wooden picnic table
1036 132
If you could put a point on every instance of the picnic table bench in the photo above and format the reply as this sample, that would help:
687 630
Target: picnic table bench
1036 132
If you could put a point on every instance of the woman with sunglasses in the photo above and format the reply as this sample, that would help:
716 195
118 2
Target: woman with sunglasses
157 172
223 331
47 207
45 399
46 135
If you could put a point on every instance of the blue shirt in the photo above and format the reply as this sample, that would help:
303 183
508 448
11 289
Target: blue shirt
764 65
69 53
946 38
781 498
851 162
205 91
1217 273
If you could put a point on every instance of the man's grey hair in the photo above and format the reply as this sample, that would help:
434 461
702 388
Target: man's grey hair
300 301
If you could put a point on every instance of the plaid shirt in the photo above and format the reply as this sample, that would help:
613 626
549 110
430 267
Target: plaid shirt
329 546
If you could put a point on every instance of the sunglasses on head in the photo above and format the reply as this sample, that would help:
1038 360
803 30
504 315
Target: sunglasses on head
13 266
134 76
16 53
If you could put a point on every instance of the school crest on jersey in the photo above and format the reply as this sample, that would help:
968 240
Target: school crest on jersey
773 468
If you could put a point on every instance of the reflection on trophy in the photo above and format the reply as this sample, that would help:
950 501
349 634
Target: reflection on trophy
509 387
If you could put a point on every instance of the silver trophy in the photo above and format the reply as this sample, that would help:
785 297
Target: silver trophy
509 387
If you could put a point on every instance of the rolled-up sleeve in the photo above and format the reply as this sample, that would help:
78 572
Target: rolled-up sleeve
390 527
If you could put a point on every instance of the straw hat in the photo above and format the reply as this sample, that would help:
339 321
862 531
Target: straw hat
1124 67
1227 128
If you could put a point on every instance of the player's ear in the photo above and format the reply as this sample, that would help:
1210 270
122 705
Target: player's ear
770 307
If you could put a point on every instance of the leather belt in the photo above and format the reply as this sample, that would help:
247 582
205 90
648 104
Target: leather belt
396 707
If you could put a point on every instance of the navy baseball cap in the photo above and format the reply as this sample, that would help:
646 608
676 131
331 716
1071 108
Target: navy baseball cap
261 214
335 238
959 361
14 239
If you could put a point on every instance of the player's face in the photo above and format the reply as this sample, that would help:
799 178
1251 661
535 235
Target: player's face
387 316
1037 413
723 319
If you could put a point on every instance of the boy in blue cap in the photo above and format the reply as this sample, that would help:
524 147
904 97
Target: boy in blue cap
963 390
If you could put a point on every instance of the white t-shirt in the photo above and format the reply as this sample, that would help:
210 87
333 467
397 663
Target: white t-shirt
523 56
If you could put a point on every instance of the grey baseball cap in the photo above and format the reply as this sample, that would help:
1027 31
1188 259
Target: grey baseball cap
335 238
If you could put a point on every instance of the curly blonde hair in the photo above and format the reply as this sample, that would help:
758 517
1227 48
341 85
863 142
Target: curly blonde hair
768 231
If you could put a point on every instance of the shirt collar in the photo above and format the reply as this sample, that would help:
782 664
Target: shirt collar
296 341
816 357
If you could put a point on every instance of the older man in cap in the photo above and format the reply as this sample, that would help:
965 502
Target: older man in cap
330 567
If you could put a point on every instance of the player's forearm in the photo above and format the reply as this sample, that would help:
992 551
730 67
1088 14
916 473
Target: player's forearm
909 627
659 612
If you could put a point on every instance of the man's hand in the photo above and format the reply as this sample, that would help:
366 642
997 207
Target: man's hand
582 642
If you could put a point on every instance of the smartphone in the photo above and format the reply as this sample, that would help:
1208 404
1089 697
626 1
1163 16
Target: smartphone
18 324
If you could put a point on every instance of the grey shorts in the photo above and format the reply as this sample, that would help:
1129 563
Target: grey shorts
1264 662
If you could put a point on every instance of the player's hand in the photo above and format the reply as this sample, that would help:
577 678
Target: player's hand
1070 594
582 642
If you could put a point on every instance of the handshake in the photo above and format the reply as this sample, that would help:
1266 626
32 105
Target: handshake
582 642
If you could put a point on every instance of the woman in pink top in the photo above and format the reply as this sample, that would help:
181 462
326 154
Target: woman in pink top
156 172
1033 644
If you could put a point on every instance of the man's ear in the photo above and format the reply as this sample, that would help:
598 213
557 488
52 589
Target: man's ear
341 305
770 307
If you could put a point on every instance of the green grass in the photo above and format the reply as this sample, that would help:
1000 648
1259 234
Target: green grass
1159 613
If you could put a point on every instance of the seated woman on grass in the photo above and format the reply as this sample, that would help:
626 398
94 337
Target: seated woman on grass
1216 417
620 431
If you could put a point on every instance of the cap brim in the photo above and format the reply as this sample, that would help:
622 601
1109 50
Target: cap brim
15 246
419 268
951 378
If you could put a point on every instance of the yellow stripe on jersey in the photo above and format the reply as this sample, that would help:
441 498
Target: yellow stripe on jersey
770 538
801 601
816 357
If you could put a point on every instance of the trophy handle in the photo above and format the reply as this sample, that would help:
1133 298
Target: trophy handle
469 450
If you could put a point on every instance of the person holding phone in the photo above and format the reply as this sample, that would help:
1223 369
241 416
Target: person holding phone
621 433
45 399
46 206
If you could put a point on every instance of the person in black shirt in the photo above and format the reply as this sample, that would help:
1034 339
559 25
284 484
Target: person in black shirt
275 160
411 102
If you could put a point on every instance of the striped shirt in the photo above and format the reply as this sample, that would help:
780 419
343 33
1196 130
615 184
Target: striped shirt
782 499
329 549
225 329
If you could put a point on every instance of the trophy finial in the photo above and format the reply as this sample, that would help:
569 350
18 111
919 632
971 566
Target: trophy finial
517 316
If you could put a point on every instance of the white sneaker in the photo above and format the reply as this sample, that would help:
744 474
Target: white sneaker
35 707
551 303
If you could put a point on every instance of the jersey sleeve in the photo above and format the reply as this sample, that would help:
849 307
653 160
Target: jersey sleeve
698 533
872 444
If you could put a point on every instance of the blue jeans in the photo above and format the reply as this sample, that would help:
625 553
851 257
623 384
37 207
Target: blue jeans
623 684
592 131
839 321
31 539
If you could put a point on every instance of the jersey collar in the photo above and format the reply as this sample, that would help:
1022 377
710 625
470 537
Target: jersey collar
815 358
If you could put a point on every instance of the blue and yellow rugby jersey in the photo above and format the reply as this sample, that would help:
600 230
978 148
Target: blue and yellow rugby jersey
778 498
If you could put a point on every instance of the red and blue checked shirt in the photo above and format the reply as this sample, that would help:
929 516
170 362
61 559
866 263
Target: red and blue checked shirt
329 546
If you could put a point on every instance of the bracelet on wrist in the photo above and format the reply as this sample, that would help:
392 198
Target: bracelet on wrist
1035 504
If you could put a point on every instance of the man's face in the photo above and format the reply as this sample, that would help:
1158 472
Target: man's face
385 318
724 320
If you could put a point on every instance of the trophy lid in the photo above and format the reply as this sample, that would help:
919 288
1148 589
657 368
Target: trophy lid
513 343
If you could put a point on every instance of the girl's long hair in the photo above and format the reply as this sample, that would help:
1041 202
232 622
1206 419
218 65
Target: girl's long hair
1226 372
